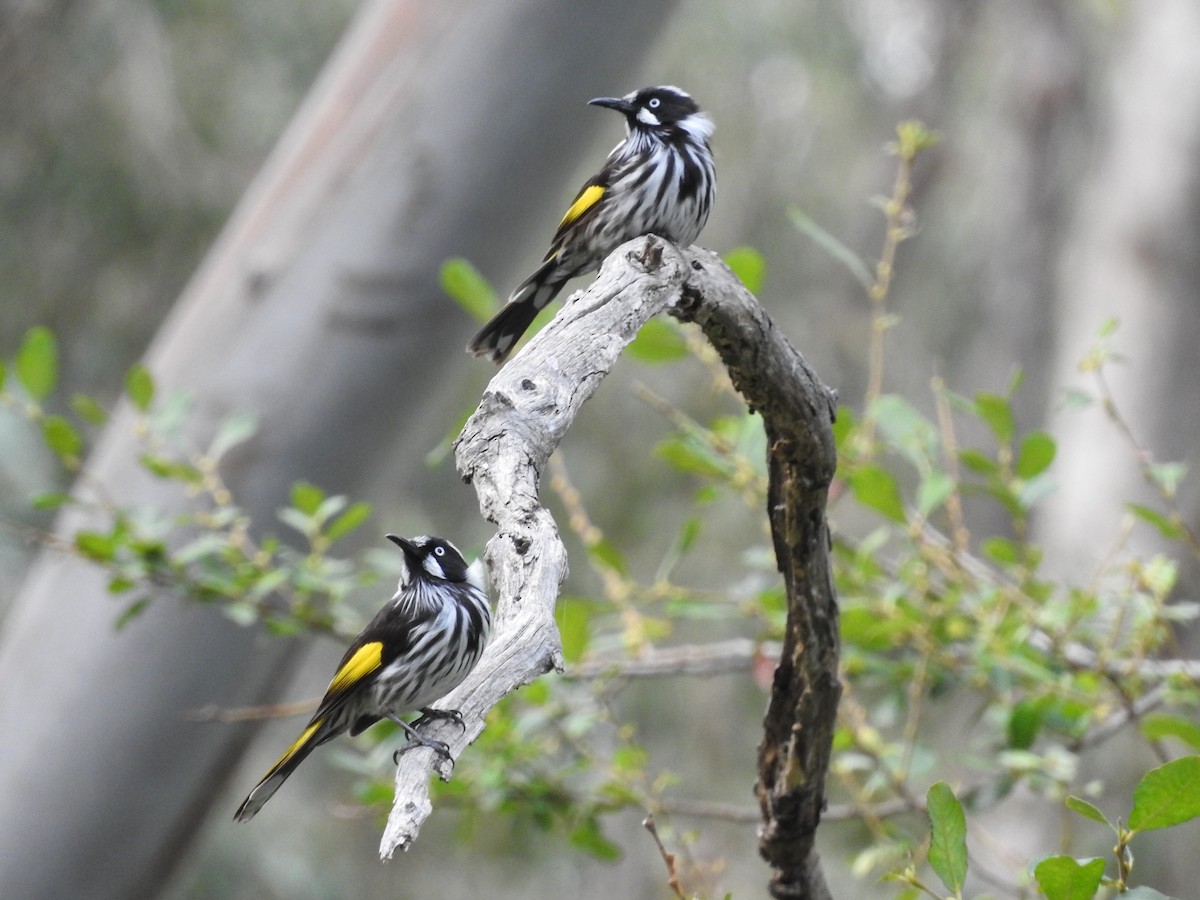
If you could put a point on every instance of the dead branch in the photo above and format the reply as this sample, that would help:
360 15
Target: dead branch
503 449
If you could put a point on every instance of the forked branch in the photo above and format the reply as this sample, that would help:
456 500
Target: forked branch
525 412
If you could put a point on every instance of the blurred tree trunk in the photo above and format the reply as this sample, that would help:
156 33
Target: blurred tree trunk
1134 257
318 309
1131 254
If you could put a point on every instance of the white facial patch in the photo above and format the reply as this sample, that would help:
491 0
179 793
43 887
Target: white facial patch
433 566
647 118
699 127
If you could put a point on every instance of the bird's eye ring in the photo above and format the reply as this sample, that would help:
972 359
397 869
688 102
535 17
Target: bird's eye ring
654 103
440 551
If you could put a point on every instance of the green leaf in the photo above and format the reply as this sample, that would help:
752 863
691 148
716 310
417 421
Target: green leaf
1001 550
996 411
978 462
1161 725
630 759
690 456
948 836
934 490
832 246
1085 809
330 507
36 363
688 532
844 426
52 500
588 837
1036 488
469 289
1076 398
139 385
875 487
1168 475
1063 878
867 629
1037 452
1167 795
306 497
1166 525
89 410
748 265
355 515
234 430
170 469
96 546
606 554
61 437
905 429
574 627
1024 723
659 341
131 612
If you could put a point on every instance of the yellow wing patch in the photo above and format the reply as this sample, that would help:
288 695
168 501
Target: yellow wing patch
305 737
587 198
366 659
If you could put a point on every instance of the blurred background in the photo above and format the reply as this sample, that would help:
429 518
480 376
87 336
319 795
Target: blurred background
1065 191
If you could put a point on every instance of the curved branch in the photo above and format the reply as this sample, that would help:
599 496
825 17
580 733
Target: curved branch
797 413
527 409
502 450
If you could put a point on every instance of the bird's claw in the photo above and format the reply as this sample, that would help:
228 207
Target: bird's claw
438 747
431 714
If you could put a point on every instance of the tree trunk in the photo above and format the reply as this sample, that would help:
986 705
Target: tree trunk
318 309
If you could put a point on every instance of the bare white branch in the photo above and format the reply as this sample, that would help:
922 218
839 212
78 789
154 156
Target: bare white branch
525 412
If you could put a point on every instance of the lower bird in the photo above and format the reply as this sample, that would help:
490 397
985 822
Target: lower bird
659 180
417 649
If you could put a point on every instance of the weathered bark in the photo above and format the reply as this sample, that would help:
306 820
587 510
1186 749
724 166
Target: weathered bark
527 410
797 411
319 310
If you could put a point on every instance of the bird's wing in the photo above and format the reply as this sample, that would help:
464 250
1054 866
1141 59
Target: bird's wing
388 636
359 662
585 205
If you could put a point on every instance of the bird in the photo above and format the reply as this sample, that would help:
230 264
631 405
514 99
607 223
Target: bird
661 179
417 649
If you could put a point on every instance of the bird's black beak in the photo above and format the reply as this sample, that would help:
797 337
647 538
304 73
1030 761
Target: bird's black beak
404 544
620 104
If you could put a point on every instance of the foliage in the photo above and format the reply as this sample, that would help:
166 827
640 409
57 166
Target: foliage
942 619
207 554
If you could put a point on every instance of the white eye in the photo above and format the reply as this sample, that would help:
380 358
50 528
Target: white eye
654 103
439 551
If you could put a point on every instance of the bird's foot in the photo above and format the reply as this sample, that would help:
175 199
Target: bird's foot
430 714
438 747
417 740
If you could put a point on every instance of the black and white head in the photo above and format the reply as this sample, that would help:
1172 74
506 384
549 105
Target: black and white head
663 111
431 558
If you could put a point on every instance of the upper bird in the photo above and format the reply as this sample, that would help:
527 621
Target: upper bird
659 180
417 649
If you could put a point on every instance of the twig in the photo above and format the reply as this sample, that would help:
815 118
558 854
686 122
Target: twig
717 658
214 713
668 858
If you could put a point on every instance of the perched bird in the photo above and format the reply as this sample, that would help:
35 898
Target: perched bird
659 180
417 649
